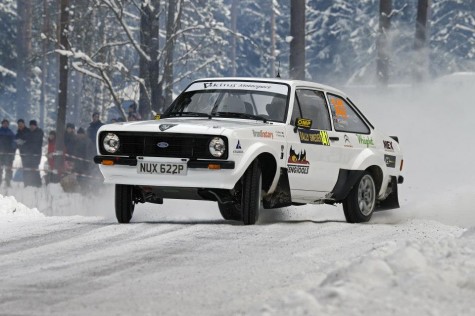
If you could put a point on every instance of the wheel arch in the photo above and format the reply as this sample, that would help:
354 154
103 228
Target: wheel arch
349 178
378 177
268 168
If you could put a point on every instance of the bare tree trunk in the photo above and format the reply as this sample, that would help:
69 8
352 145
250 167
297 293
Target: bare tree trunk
63 82
234 12
272 39
149 69
44 61
173 23
383 58
420 44
297 44
24 50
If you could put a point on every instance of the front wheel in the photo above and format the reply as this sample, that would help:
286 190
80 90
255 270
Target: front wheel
251 193
124 202
360 203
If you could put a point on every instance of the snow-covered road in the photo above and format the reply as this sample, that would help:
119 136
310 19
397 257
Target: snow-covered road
85 265
182 259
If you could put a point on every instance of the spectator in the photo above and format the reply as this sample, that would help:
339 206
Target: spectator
84 151
94 127
20 139
53 175
7 151
133 114
34 143
69 138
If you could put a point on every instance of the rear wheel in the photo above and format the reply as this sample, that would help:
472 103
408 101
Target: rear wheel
124 202
231 212
251 193
360 203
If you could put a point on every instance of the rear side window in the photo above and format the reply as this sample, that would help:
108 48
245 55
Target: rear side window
313 106
345 119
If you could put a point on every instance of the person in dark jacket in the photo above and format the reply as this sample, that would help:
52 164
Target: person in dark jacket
20 140
133 115
7 151
84 151
34 143
69 143
69 138
94 127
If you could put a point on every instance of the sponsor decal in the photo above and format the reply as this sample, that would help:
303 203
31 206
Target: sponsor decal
298 163
162 145
164 127
240 85
347 141
303 122
263 134
238 149
314 137
339 106
388 145
280 134
368 141
390 161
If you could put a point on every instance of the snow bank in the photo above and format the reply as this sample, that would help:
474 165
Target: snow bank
420 278
9 207
51 200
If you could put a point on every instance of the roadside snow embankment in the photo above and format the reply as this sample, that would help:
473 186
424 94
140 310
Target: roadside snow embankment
420 278
9 207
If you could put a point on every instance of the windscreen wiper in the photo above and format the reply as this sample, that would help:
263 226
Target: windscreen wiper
187 114
240 115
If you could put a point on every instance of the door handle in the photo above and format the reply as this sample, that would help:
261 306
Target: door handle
334 138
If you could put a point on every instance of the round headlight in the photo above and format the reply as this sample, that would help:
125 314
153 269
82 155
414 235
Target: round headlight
111 143
217 147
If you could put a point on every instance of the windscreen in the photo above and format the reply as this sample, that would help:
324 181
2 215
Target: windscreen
246 100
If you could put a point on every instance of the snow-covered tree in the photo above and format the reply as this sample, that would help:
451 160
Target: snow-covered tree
452 36
7 56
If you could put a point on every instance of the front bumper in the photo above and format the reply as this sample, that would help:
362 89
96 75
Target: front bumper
123 170
130 161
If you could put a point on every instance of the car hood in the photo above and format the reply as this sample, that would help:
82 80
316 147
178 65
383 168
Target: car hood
214 126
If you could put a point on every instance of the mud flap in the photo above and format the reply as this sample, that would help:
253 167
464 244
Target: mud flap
392 201
281 196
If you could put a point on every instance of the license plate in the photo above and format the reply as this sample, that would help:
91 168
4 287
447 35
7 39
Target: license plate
162 168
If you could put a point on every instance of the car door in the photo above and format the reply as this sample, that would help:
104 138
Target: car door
310 163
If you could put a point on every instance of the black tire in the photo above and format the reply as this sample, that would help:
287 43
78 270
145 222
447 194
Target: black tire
124 203
230 212
251 194
360 203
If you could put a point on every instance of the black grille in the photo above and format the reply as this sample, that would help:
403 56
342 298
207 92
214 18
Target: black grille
179 145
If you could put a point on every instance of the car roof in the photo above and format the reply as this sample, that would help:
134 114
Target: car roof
292 83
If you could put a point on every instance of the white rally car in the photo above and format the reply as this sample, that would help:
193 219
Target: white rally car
252 143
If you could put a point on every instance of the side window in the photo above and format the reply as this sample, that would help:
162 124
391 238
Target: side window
345 118
314 107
